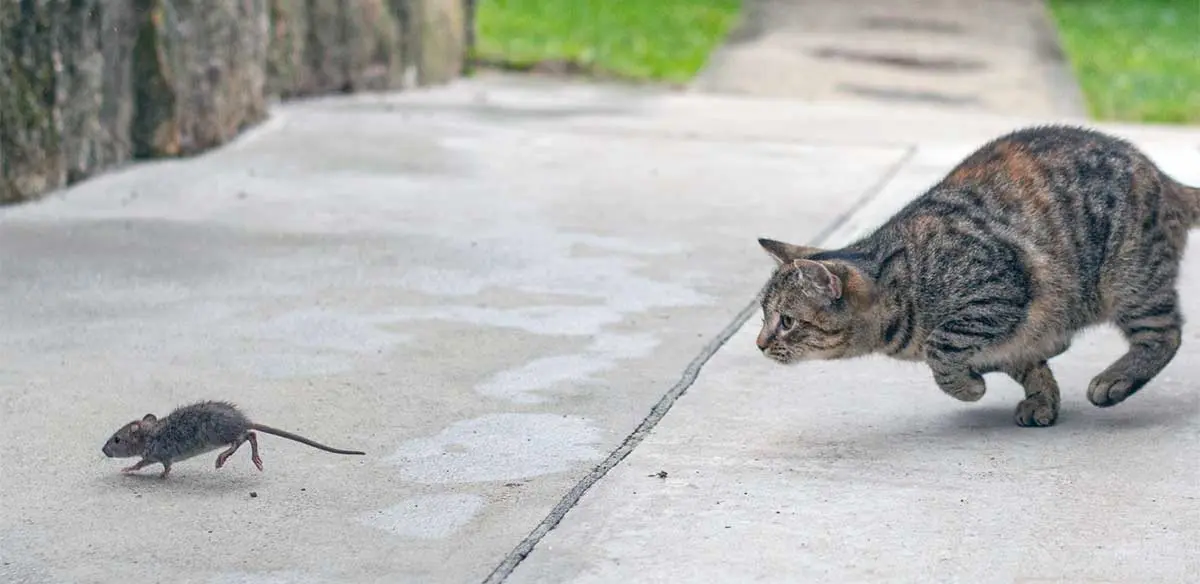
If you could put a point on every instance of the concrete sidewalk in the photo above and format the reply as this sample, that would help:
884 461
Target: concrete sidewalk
967 55
491 287
863 471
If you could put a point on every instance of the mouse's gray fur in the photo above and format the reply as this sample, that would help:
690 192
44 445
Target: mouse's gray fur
192 430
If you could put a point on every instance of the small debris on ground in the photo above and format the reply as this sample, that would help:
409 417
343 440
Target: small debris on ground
253 494
662 474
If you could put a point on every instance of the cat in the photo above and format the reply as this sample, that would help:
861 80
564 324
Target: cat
1035 236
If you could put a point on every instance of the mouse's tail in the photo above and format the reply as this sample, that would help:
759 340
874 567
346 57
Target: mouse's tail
301 439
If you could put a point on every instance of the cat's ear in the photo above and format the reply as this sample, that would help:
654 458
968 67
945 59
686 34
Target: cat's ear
786 252
826 280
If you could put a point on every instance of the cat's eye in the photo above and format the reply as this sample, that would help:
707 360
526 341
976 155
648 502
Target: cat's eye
786 322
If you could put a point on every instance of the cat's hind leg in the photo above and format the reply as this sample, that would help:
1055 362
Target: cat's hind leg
1151 324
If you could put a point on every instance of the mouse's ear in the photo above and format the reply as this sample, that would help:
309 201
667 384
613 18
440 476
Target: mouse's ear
149 418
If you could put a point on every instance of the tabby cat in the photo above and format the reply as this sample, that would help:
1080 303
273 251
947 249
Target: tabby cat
1038 234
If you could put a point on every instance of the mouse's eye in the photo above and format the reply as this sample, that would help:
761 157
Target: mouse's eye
116 440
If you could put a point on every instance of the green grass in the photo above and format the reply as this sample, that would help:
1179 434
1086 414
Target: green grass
1136 60
658 40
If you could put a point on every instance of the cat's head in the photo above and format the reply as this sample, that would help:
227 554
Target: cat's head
810 307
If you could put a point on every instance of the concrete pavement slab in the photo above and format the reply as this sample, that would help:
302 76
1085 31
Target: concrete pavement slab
967 55
486 286
862 471
485 302
598 108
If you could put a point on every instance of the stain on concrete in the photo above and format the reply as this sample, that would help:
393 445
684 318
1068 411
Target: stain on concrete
935 64
427 517
542 320
896 94
545 265
527 384
275 577
499 447
911 24
310 342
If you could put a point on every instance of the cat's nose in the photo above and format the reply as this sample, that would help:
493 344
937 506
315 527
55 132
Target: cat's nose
763 340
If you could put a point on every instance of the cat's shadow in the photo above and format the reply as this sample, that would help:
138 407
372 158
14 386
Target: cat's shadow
1078 416
992 426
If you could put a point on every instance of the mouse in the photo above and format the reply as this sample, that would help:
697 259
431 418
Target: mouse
193 430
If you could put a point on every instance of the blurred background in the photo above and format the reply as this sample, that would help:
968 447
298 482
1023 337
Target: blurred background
1133 60
89 84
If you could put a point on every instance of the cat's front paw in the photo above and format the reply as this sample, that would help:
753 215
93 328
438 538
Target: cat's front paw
1036 411
968 388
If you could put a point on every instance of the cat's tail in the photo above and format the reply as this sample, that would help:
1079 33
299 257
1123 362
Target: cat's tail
1190 199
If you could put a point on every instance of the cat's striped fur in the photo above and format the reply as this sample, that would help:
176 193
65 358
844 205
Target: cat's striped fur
1033 237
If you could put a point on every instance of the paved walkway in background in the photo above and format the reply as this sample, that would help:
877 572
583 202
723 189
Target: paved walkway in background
501 290
1000 56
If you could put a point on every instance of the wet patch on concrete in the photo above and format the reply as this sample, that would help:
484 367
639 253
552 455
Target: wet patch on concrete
427 517
542 320
901 23
895 94
499 447
528 383
933 64
544 264
275 577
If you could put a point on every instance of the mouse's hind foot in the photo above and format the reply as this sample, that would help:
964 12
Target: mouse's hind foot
253 438
143 463
224 456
